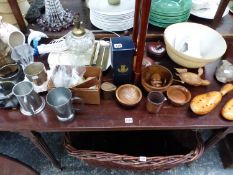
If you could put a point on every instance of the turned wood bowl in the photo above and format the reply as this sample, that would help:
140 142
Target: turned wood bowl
178 95
128 95
156 78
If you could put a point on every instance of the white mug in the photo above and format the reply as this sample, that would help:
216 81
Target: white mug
10 34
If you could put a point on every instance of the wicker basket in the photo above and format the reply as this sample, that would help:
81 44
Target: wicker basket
142 163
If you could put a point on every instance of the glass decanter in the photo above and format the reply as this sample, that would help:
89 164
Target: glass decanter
81 42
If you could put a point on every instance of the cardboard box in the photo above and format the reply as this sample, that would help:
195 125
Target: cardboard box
89 95
122 50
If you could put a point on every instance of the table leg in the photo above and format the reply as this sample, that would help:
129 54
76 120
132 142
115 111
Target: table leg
218 137
39 142
218 16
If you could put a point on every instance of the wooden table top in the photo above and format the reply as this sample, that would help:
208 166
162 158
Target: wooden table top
109 115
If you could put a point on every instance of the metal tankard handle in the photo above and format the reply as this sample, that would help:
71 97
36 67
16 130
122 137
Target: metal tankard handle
80 101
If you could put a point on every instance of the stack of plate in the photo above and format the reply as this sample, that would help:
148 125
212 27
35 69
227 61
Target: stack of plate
166 12
112 17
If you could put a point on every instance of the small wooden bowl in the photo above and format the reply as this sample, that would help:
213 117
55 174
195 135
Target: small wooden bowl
165 74
178 95
128 95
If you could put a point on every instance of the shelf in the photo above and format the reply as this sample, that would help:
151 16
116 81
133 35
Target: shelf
76 7
225 27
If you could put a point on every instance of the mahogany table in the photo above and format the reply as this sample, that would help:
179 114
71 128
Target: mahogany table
110 116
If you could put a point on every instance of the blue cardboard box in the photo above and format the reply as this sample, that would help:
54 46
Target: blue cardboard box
122 50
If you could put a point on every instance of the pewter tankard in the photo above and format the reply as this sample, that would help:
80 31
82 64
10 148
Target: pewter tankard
60 100
30 102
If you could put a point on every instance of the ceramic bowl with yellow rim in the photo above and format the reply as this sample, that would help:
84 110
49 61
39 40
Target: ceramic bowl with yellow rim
193 45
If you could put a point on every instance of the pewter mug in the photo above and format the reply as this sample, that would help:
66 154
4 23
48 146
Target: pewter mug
60 100
30 102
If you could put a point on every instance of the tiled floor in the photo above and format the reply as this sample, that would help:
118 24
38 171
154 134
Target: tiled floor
22 149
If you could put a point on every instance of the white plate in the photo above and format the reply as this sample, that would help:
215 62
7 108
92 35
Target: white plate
208 13
108 22
120 25
118 17
105 8
111 28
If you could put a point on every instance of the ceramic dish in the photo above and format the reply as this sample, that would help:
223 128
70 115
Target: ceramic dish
119 22
178 95
67 57
112 17
211 46
209 13
128 95
105 8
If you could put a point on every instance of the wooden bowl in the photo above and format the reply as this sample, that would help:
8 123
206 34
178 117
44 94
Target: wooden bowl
128 95
178 95
165 75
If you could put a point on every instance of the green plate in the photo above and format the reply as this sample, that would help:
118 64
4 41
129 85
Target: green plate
170 15
171 6
165 23
169 18
162 25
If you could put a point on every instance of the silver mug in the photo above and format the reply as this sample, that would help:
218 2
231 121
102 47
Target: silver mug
60 100
30 102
